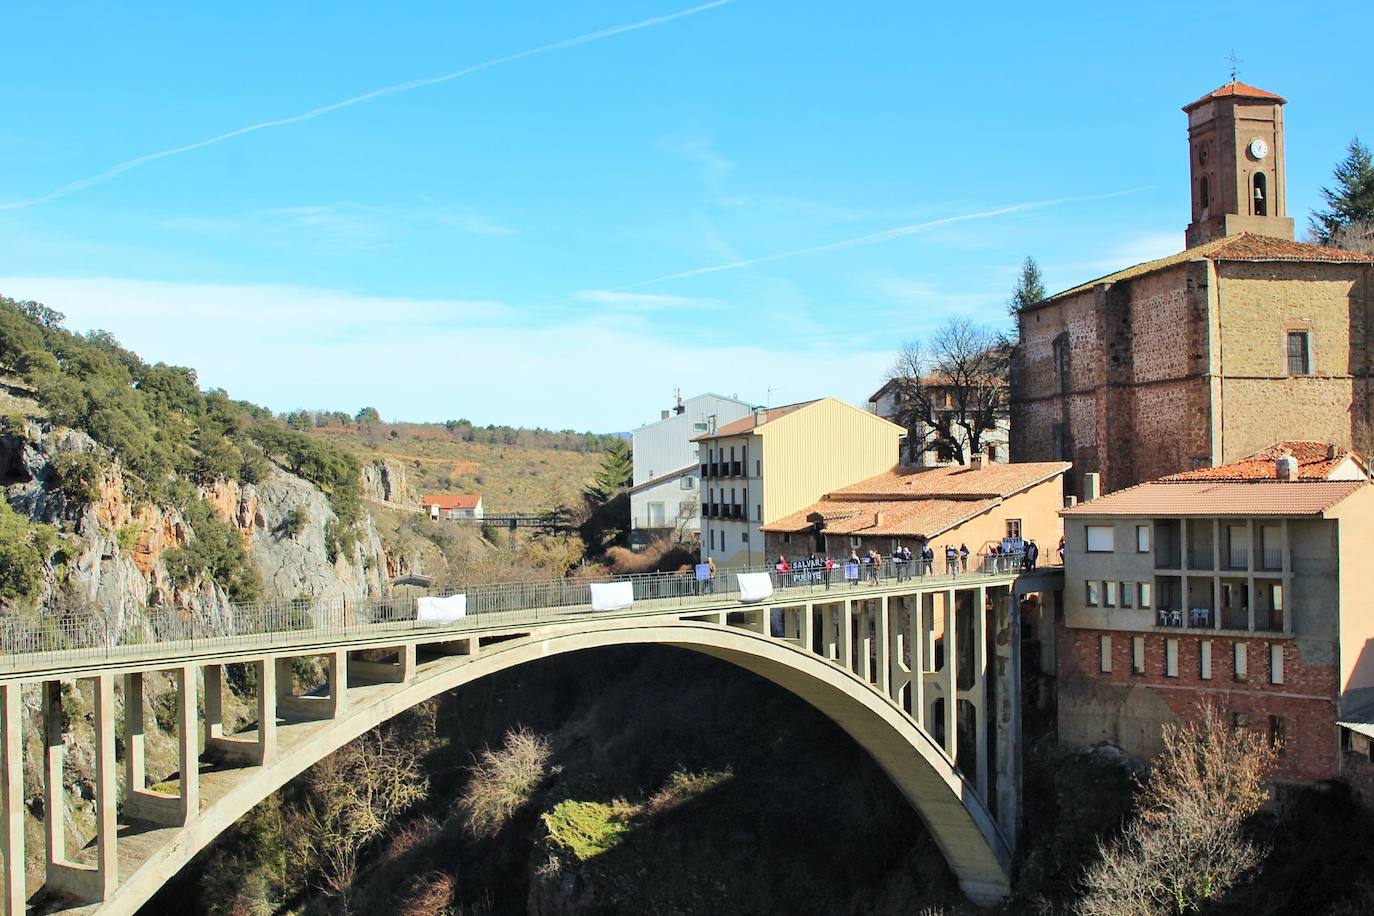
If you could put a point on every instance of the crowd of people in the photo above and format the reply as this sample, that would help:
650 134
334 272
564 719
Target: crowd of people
902 564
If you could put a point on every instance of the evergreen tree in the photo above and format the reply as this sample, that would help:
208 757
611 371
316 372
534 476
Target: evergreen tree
1350 200
1030 287
617 470
368 415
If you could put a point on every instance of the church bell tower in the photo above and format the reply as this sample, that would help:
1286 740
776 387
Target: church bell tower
1235 147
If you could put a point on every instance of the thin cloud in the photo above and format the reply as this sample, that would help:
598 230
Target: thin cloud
886 235
643 302
121 168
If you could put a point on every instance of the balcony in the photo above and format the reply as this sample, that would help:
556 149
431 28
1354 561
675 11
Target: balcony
1200 558
705 471
1238 558
715 469
736 468
1270 559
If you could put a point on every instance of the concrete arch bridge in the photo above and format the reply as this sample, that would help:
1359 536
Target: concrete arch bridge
923 673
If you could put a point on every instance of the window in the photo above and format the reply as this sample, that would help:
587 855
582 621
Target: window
1143 590
787 538
1260 194
992 451
1299 353
758 512
1061 442
1276 664
689 482
1091 599
1277 734
656 519
1240 721
1205 660
1138 654
1100 539
1204 198
758 468
1142 538
1241 662
1171 658
1109 594
711 536
1127 594
1104 659
1013 527
744 537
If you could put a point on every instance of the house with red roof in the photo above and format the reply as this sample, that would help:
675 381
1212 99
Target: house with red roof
1241 585
1208 355
452 505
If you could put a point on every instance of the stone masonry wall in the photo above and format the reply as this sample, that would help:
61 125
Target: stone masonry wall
1130 710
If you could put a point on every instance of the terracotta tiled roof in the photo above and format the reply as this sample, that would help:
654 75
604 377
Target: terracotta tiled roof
953 481
926 518
1253 498
1312 458
1237 89
1244 246
927 381
662 478
446 501
747 423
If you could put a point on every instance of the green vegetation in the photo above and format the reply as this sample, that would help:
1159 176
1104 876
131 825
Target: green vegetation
24 547
1030 287
588 828
215 553
127 536
1350 201
78 476
295 522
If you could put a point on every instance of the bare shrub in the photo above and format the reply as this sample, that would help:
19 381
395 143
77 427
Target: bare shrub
502 781
356 793
1186 842
659 555
407 838
432 897
683 786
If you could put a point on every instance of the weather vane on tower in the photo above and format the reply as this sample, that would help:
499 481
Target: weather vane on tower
1235 63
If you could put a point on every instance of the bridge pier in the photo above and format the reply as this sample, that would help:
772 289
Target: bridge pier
12 801
253 752
84 882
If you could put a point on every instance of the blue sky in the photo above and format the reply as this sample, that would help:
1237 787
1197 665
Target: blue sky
563 237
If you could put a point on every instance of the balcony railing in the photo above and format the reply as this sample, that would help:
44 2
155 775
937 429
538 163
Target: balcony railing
1270 558
1200 558
736 468
1238 558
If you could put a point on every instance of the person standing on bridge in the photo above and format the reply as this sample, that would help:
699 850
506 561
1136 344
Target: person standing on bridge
1032 554
963 558
711 575
951 560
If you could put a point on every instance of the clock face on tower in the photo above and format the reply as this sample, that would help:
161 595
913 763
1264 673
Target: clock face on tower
1258 148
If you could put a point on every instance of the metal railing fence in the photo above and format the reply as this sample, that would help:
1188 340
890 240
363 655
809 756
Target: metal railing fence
26 639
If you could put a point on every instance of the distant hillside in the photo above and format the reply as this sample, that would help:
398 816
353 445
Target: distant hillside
515 470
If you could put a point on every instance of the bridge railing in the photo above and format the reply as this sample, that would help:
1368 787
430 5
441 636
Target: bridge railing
24 637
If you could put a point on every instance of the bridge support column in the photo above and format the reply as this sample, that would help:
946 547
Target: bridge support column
1008 693
805 624
882 639
188 743
978 693
338 682
12 801
138 801
863 618
65 877
267 711
241 750
918 659
949 682
214 703
845 614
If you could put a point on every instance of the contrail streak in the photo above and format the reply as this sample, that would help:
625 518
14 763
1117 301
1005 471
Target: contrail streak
112 172
885 235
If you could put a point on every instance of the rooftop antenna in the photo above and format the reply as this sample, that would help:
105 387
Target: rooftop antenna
1235 63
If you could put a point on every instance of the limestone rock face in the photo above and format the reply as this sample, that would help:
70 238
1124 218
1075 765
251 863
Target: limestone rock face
385 480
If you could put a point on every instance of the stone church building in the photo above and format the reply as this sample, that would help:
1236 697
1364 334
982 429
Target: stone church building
1198 359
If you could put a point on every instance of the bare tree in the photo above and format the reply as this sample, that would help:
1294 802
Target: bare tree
1357 235
1186 843
914 398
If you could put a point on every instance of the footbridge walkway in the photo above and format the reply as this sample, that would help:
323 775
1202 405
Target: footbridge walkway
922 671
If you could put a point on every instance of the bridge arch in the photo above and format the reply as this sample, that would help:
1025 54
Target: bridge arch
960 823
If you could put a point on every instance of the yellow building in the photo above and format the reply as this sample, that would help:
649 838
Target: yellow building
776 461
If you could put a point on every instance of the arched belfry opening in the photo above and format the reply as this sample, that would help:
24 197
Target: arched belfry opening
1260 194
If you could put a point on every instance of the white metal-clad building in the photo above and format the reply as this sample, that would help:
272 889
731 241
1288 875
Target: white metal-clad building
667 476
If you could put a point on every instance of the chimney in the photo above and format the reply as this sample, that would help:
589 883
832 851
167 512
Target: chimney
878 519
1332 452
975 462
1092 486
1070 502
760 416
663 414
1286 467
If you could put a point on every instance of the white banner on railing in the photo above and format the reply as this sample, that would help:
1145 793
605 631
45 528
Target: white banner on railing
612 596
755 587
442 610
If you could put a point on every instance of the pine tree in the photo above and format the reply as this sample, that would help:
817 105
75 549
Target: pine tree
1030 287
617 470
1351 200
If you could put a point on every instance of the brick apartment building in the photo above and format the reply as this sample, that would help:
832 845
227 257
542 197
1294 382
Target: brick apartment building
1242 585
1197 359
